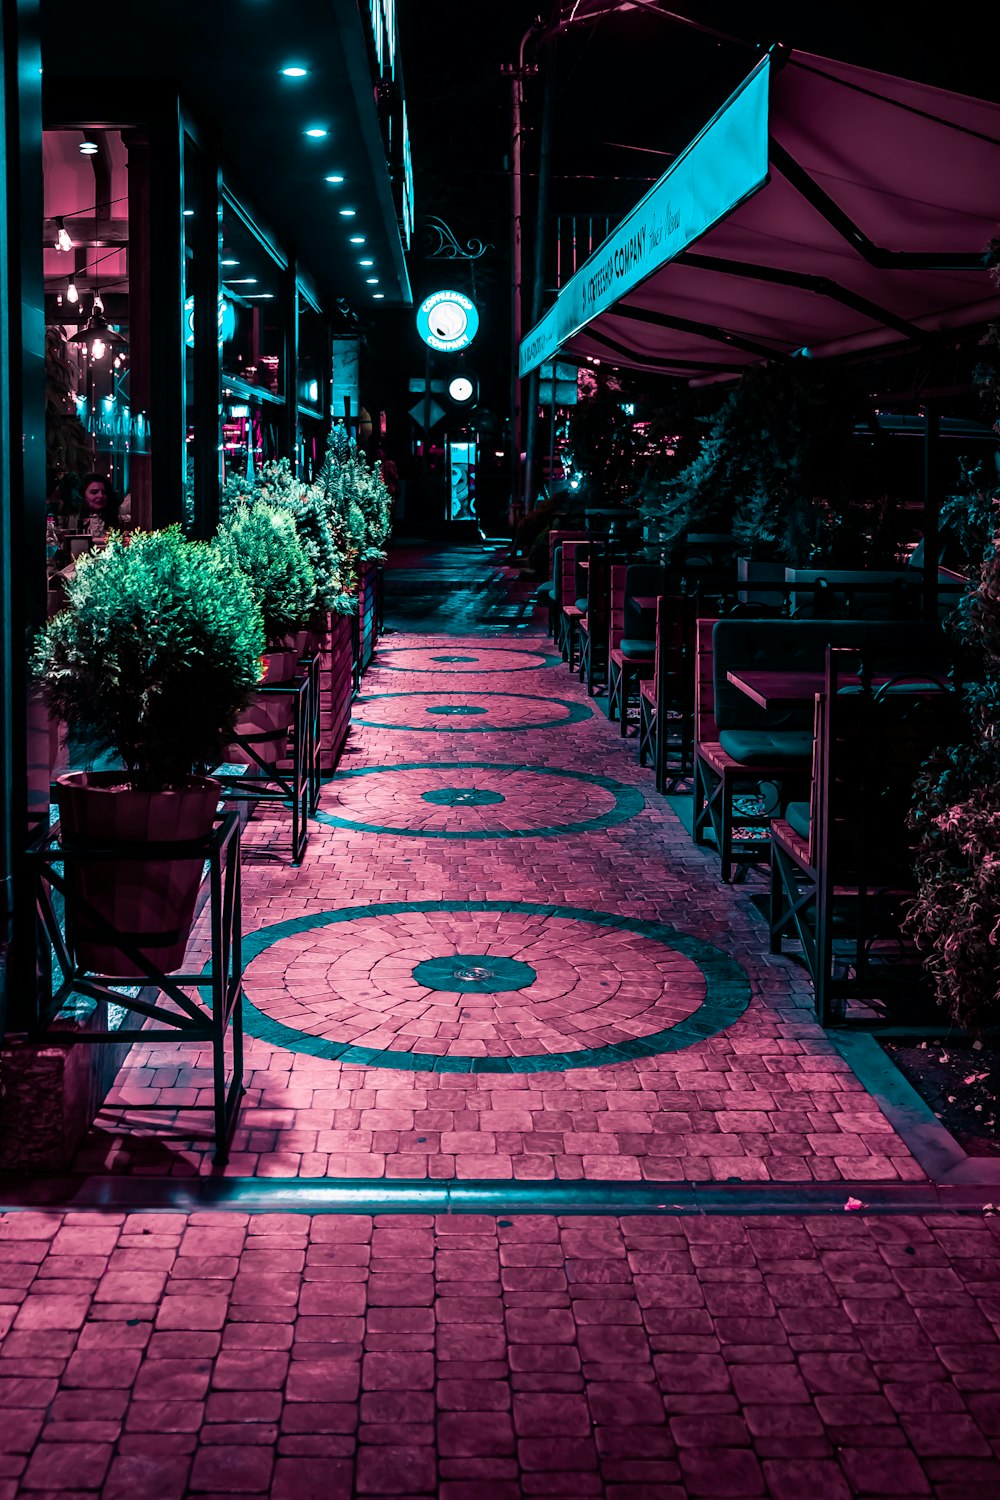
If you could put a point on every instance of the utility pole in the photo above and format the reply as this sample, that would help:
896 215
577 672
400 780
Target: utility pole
517 73
538 281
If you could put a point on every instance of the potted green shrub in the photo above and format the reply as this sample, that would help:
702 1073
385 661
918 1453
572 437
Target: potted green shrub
260 543
153 659
955 918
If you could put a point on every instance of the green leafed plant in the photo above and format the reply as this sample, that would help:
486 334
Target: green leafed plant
260 542
955 918
155 655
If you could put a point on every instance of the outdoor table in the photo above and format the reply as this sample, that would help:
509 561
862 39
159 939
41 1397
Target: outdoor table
784 690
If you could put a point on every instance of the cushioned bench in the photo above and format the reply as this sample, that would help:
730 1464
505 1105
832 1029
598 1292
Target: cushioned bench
841 863
738 744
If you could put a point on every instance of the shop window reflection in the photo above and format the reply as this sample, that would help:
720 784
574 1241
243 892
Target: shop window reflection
91 427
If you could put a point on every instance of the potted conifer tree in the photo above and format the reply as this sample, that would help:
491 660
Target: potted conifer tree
153 659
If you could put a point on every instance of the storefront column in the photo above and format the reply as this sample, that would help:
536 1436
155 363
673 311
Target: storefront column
205 284
24 768
290 356
156 314
136 142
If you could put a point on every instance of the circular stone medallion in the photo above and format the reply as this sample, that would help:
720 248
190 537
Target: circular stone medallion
462 796
456 709
485 986
474 974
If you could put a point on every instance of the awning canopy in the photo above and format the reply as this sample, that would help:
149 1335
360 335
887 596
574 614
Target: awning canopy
825 210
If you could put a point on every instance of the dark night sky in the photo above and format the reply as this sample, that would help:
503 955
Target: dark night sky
631 89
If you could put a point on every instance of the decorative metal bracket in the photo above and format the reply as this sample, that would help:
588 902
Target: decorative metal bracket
444 245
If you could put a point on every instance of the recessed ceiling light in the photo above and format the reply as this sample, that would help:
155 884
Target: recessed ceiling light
189 213
357 239
378 296
348 213
295 72
335 177
230 262
316 132
368 262
89 148
372 280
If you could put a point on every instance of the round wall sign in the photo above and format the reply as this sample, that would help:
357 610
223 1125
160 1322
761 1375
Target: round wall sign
447 321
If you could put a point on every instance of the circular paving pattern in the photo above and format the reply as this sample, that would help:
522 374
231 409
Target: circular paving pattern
430 799
485 986
492 712
485 659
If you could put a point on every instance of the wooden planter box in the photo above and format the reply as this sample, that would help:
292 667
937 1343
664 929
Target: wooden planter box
367 612
335 689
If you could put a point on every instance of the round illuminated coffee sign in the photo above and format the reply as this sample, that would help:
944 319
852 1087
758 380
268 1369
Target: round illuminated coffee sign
447 321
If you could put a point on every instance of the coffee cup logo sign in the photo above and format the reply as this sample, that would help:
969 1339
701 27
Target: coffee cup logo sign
447 321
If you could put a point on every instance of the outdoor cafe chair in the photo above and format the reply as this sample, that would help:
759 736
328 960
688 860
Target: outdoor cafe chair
631 642
573 573
549 593
841 861
666 700
744 744
593 625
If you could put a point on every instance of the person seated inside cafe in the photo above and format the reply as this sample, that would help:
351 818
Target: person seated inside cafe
100 505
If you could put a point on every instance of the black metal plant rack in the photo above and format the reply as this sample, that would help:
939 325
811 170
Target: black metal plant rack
297 786
184 1017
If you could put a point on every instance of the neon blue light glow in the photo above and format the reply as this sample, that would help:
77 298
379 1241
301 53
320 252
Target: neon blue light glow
722 166
447 321
227 321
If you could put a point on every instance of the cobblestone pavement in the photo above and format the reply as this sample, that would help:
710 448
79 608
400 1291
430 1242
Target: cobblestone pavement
619 1016
502 959
156 1356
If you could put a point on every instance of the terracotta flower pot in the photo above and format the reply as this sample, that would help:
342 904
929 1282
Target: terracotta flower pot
150 901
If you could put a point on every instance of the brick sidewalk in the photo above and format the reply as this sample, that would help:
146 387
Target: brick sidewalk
478 776
154 1356
503 959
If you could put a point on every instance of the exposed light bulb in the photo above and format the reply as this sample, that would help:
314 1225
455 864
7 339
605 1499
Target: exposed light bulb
72 295
98 349
63 241
98 303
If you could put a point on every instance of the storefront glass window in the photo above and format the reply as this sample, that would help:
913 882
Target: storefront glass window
90 425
